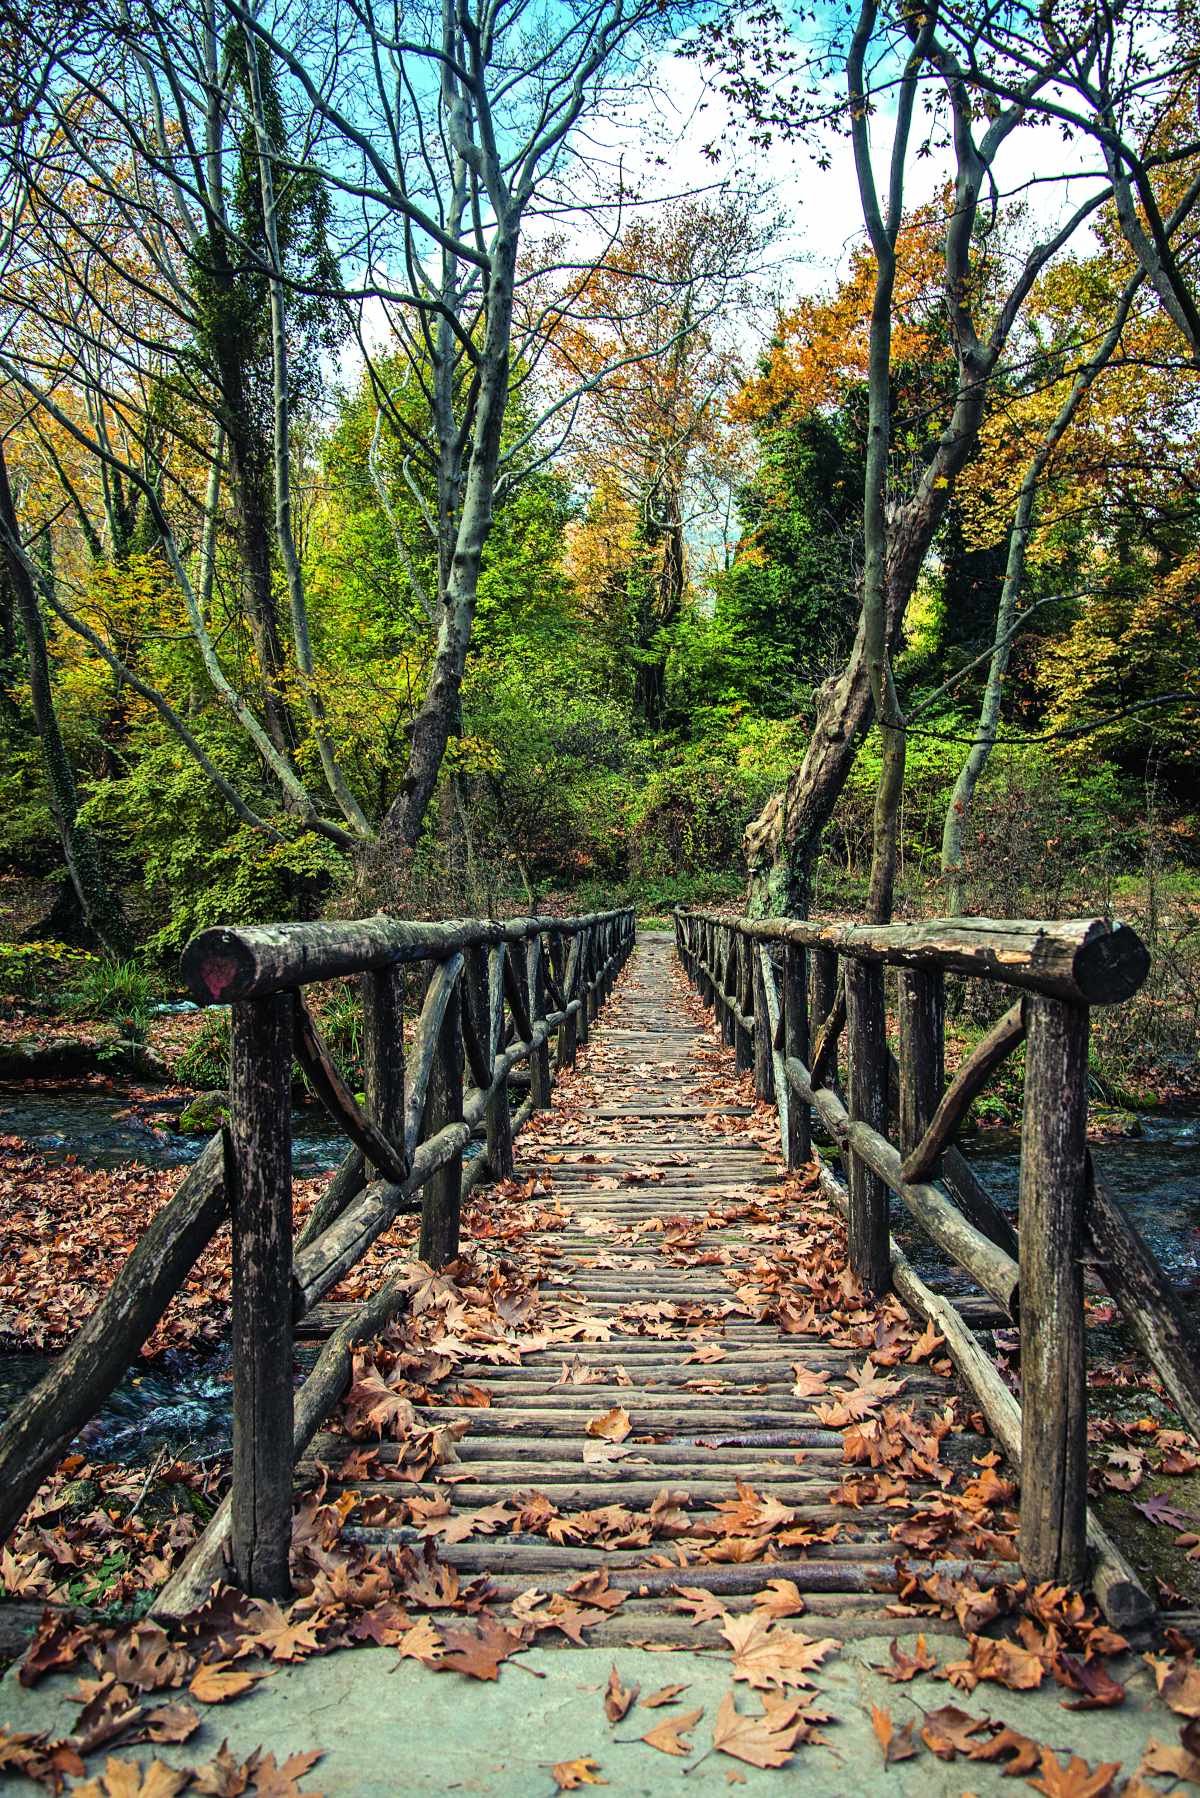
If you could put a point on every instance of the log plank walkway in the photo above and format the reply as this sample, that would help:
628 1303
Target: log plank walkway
674 1199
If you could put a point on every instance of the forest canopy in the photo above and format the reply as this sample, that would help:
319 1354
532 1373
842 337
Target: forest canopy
431 480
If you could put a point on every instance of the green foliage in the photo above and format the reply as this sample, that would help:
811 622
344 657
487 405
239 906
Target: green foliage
36 970
208 873
104 988
205 1061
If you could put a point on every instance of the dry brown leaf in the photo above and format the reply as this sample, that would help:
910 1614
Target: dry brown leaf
948 1731
780 1598
1076 1779
617 1698
764 1741
765 1656
214 1682
896 1744
664 1695
125 1779
569 1775
611 1426
906 1666
667 1736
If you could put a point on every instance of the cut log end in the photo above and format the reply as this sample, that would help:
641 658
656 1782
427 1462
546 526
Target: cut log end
1111 964
217 968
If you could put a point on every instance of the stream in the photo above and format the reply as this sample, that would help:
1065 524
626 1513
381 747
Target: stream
180 1402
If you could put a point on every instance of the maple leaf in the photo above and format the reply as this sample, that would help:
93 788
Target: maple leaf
1158 1509
145 1660
1019 1753
926 1343
171 1723
763 1741
700 1604
1076 1780
57 1643
1176 1762
372 1403
1100 1690
664 1695
273 1781
214 1682
906 1666
780 1598
479 1654
764 1655
618 1698
222 1777
568 1775
667 1736
808 1383
284 1638
124 1779
897 1745
948 1731
1178 1684
612 1426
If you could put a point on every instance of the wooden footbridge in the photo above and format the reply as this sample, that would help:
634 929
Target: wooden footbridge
674 1223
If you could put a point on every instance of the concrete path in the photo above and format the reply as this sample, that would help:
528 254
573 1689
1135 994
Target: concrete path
392 1728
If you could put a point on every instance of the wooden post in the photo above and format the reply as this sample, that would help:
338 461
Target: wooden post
742 1047
1053 1366
383 1053
595 997
823 994
798 1146
921 1009
867 1081
260 1191
444 1105
497 1116
764 1069
539 1061
726 956
581 985
568 1030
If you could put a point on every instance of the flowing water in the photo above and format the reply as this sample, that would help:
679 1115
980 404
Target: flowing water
181 1402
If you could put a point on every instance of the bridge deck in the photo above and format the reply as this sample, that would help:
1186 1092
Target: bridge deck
692 1257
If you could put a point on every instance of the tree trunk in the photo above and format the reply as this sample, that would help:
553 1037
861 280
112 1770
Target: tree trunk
101 907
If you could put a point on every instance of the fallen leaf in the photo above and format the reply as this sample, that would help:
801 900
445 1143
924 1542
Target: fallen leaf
612 1426
569 1775
617 1698
780 1598
906 1666
763 1741
664 1695
765 1656
1076 1780
125 1779
667 1736
896 1744
948 1731
216 1681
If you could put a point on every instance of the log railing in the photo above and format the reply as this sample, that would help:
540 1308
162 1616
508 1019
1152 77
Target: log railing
790 994
493 995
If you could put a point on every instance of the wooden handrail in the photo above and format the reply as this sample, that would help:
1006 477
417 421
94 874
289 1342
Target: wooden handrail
1089 961
408 1141
1062 967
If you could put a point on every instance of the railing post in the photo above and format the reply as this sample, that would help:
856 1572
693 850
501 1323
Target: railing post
742 1046
497 1116
764 1065
444 1105
595 997
823 997
568 1030
728 978
1053 1366
260 1195
866 1046
798 1146
921 1008
539 1061
581 983
383 1052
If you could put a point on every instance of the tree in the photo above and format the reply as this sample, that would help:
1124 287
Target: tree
899 526
642 342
